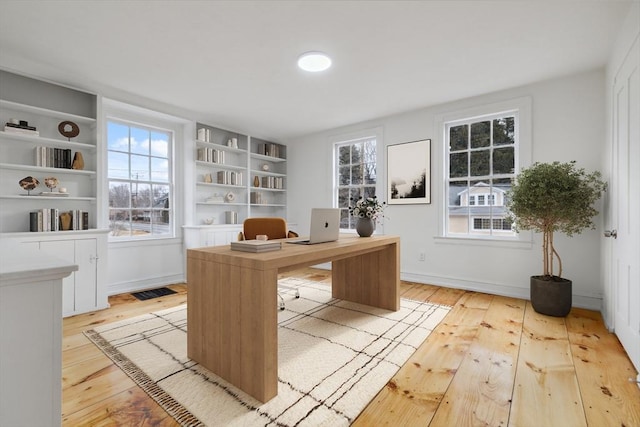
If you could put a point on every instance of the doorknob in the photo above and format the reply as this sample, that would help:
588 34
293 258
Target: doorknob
611 233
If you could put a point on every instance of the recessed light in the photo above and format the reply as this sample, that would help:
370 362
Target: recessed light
314 61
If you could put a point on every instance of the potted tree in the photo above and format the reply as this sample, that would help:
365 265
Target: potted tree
550 197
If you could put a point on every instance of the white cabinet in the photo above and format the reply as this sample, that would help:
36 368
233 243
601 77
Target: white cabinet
84 290
200 236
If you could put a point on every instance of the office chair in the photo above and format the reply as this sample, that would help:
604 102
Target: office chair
273 228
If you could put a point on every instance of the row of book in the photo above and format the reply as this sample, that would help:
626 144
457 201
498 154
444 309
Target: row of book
210 155
230 177
50 157
272 150
204 134
50 219
276 182
257 198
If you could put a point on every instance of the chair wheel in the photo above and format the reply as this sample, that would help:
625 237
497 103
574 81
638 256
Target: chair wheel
281 308
297 296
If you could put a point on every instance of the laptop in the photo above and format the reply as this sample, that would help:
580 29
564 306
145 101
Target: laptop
325 227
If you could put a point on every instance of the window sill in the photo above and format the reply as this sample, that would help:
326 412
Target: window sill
511 243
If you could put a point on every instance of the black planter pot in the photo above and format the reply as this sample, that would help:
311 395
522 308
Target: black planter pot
551 295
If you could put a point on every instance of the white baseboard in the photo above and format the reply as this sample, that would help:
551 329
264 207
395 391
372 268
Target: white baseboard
581 301
144 284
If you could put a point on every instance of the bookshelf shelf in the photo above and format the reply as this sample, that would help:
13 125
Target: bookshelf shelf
31 168
17 138
54 114
38 197
213 165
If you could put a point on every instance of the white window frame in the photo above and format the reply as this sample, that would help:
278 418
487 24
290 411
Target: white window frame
522 106
148 119
335 141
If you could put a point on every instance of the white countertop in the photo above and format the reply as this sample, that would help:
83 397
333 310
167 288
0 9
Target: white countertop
17 264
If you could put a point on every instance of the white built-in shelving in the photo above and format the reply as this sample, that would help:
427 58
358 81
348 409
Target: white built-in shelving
248 158
218 202
44 106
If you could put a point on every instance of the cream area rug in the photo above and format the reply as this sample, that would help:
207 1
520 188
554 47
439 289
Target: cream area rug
333 358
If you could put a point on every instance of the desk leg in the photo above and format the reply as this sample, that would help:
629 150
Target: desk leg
232 325
371 279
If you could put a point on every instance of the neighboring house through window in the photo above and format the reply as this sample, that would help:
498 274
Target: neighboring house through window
482 158
140 175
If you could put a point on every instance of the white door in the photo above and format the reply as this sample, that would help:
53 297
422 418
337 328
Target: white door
625 199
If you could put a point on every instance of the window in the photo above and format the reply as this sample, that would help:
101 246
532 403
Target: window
140 181
481 163
488 224
356 175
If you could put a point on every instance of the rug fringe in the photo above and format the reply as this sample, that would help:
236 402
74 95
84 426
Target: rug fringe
168 403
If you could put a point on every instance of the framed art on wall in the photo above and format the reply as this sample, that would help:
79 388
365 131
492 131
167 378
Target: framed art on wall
409 173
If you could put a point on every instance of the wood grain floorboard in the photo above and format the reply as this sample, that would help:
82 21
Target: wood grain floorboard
492 361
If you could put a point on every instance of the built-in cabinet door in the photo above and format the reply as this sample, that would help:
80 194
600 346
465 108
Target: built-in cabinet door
221 237
79 289
64 249
85 288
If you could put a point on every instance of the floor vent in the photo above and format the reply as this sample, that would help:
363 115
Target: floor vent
153 293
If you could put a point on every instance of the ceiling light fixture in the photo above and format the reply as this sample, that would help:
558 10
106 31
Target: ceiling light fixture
314 61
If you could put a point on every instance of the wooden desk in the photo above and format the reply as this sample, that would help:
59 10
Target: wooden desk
232 300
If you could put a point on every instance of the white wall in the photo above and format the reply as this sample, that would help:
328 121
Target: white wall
568 123
134 266
629 31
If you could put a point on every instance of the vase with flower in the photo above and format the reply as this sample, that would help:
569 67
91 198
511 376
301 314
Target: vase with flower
367 210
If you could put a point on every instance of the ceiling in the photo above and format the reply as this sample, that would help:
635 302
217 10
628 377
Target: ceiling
235 61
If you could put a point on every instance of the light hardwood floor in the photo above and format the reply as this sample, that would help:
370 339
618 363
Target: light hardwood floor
493 361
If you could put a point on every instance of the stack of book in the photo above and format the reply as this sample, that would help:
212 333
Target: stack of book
256 246
22 127
53 194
